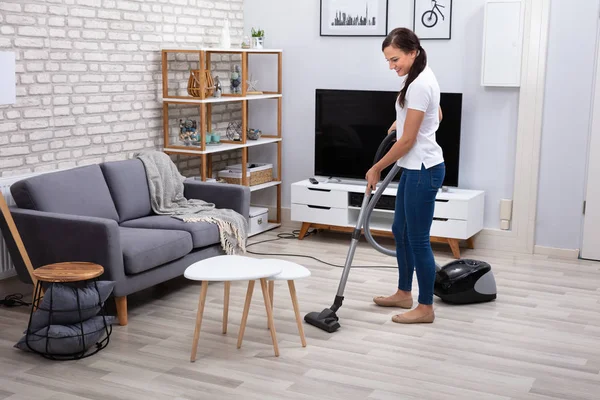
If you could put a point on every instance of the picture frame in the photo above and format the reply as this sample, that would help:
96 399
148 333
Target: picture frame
362 18
432 19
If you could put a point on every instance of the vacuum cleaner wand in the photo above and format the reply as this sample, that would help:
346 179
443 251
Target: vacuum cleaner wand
327 319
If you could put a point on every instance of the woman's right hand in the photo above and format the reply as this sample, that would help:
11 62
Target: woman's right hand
392 128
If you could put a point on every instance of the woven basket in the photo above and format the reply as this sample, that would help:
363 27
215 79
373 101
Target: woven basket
260 174
199 80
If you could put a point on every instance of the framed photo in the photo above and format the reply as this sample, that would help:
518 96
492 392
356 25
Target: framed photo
354 17
433 19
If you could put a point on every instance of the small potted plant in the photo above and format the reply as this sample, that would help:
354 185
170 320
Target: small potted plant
258 37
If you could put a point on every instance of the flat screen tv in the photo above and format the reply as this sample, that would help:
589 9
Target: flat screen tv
350 125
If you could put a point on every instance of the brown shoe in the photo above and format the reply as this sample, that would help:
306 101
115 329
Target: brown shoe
424 319
385 302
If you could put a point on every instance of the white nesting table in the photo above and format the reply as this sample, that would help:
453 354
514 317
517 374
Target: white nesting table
227 268
289 272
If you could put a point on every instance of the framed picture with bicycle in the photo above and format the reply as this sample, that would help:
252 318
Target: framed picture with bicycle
433 19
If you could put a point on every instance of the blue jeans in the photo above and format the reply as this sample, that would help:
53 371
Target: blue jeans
413 217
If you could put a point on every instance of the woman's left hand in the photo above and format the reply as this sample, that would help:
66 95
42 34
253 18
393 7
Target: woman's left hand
373 176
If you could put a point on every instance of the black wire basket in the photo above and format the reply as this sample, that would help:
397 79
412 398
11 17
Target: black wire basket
86 335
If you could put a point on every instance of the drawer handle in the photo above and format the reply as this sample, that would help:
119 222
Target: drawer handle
440 219
442 200
320 207
319 190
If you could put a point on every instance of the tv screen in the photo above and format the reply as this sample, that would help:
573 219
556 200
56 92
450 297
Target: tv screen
350 125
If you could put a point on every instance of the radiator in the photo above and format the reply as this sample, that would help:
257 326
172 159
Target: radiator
6 265
7 268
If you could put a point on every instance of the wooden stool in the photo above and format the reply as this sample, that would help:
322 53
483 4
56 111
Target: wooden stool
67 272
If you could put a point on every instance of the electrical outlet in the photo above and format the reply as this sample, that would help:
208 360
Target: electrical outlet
505 209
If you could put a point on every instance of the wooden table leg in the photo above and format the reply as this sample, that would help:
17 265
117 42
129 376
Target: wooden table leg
226 306
199 314
245 313
265 291
297 311
271 292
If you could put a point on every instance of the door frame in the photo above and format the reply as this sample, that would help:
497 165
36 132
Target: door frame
521 237
593 124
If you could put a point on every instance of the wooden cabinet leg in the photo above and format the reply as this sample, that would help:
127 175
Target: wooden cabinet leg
454 246
471 242
121 302
304 229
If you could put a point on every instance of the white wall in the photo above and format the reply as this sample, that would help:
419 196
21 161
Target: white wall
310 61
567 105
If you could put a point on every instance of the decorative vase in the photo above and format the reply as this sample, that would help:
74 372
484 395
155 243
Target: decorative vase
258 42
225 36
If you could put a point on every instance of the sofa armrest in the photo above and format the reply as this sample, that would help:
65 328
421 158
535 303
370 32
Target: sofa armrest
53 237
223 195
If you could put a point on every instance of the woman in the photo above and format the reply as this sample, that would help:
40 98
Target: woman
418 115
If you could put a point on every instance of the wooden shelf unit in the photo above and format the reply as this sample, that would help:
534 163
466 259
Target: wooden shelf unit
204 104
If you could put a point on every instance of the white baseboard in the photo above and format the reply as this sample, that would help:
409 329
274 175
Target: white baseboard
556 252
7 274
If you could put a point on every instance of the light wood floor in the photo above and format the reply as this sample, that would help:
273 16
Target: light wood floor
539 340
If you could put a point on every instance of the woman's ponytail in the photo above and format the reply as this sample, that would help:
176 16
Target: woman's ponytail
406 40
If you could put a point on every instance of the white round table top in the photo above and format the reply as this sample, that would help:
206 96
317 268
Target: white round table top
290 270
230 268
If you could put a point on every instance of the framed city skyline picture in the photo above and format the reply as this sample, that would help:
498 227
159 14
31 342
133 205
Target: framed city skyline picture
354 17
433 19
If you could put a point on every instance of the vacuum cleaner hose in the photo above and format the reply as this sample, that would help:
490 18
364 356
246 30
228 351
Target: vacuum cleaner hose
370 203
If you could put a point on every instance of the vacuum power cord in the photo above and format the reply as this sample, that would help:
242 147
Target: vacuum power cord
295 234
13 300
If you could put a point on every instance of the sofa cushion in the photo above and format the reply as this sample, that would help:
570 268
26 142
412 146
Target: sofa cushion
144 249
203 233
78 191
128 186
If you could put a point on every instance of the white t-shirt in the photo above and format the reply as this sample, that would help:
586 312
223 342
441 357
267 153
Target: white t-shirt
423 94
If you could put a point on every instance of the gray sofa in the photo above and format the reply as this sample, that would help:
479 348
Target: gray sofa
101 213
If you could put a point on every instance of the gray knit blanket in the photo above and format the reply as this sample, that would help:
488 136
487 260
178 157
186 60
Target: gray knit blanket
166 196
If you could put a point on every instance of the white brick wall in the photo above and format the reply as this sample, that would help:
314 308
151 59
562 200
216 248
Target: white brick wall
89 78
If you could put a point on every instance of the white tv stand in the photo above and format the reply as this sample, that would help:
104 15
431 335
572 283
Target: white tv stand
458 213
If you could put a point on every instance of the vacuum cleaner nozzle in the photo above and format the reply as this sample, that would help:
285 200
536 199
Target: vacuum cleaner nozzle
326 320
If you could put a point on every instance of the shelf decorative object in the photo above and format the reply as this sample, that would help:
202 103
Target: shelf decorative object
202 92
258 38
246 42
254 134
199 81
252 86
236 80
225 42
234 131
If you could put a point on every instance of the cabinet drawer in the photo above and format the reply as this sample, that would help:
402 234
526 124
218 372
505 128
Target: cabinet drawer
319 214
453 209
319 196
450 228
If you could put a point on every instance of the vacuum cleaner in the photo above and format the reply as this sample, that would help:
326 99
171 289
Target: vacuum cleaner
458 282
